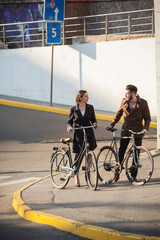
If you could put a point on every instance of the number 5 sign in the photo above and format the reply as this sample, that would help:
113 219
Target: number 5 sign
53 32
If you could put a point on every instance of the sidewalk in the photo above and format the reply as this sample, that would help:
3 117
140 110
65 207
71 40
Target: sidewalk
117 211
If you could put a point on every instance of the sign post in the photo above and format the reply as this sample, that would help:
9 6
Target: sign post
51 95
54 15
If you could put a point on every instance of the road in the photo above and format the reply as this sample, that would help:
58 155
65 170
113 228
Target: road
26 138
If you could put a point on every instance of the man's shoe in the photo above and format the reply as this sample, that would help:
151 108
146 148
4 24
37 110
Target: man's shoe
117 177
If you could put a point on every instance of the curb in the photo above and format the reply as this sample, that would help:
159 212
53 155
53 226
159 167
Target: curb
64 224
55 110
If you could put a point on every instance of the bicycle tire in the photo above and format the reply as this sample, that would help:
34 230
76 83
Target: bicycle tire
140 174
91 171
107 164
59 178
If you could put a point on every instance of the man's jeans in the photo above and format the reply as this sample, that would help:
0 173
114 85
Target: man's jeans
124 144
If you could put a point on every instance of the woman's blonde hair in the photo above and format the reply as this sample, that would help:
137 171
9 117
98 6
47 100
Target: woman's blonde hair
79 95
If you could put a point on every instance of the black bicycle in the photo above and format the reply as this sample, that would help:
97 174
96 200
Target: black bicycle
139 162
63 168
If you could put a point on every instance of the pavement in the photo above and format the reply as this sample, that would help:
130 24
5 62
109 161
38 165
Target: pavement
115 211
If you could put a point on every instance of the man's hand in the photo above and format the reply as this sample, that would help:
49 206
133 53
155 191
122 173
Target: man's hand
108 127
145 131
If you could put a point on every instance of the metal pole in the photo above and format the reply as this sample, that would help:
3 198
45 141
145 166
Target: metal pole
63 33
51 93
152 23
42 34
84 22
157 43
129 25
4 42
23 34
106 27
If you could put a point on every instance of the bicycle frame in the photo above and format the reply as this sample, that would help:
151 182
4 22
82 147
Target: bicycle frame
133 146
79 159
84 150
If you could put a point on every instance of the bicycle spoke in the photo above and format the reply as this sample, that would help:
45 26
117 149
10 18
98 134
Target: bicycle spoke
91 171
107 164
140 170
58 175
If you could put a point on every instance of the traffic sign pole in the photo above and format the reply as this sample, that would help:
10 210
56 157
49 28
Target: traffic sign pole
51 94
54 14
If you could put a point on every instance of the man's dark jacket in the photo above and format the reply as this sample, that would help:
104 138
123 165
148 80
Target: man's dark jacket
133 118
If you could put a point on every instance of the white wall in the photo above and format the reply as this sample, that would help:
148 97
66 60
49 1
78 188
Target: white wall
103 69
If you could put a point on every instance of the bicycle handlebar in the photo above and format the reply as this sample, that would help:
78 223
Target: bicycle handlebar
136 133
83 127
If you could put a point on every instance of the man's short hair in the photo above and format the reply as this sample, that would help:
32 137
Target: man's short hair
132 88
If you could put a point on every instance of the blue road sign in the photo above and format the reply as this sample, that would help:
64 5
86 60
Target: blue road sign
54 32
54 10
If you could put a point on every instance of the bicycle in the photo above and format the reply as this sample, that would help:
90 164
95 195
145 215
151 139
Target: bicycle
139 163
63 168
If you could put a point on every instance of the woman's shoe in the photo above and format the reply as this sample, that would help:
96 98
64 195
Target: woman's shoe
77 185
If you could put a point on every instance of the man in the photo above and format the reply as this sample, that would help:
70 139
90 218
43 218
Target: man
135 110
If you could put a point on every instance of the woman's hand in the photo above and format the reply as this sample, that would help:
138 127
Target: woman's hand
96 126
69 129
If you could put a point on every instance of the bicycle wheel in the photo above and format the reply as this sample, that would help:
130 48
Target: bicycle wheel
107 164
91 171
59 178
140 173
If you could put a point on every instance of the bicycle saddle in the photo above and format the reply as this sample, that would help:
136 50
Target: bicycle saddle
65 140
112 129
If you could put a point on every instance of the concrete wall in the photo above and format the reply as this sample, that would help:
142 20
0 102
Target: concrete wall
103 69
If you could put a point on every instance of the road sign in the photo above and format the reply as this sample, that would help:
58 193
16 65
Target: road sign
54 32
54 10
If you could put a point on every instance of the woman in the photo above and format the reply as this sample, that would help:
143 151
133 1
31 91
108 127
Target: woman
82 114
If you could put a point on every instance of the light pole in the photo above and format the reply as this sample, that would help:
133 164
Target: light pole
157 44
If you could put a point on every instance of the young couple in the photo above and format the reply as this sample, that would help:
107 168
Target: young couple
134 109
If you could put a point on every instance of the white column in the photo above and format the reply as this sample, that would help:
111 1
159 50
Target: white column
157 39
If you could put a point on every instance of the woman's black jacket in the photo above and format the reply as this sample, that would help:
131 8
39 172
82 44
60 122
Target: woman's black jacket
76 120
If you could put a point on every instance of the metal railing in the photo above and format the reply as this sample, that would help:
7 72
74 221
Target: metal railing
79 29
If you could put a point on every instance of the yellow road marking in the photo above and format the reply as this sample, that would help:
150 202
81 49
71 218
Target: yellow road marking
55 110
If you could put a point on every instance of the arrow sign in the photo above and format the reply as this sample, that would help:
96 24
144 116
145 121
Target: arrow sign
52 4
54 10
56 14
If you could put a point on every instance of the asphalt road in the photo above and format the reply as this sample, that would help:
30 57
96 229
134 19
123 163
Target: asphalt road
28 126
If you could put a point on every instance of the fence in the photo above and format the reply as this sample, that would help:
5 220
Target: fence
80 29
